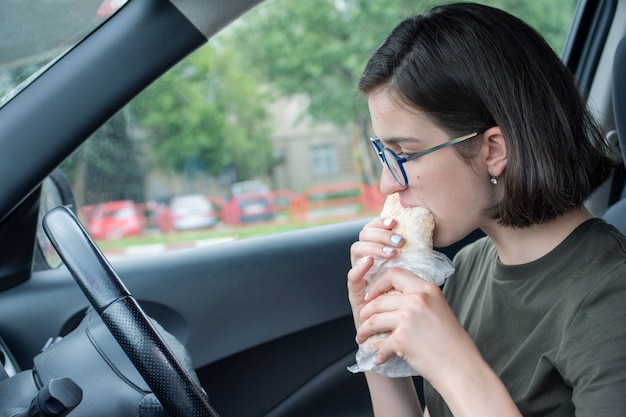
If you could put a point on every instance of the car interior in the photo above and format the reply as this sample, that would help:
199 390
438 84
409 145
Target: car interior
253 327
616 213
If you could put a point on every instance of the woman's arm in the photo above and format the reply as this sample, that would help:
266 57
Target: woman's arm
477 391
393 397
447 357
424 331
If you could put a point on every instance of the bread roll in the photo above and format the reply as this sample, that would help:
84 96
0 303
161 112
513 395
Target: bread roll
416 225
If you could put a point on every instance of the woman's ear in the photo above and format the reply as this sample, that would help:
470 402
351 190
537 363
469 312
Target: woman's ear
496 153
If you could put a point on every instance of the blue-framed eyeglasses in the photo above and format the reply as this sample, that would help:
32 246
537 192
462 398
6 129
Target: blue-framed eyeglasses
395 162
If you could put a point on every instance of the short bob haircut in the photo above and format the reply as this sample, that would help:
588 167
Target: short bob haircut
470 67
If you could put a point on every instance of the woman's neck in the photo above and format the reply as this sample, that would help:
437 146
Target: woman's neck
520 246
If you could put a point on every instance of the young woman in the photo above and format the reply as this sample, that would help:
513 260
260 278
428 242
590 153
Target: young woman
531 323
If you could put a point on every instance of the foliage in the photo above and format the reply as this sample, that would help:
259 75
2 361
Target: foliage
179 119
315 48
248 148
323 54
552 18
208 111
319 48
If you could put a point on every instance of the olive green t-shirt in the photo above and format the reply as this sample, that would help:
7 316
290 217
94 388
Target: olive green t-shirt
554 330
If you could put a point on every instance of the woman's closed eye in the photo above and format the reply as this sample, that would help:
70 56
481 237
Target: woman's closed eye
405 154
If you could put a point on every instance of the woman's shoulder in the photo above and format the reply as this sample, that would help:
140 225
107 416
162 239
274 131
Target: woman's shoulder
477 250
594 235
598 238
473 260
599 228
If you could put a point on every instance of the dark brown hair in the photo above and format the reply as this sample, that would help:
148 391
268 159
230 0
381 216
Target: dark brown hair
471 67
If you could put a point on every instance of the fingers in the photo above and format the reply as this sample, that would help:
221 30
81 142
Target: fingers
385 323
406 308
356 275
376 316
377 239
357 285
400 280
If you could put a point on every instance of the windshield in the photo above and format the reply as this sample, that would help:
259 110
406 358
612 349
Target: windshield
35 33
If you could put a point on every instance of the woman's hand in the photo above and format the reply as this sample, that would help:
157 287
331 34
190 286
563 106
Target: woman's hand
423 329
375 240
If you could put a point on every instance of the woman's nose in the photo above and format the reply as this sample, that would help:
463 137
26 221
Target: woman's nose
388 184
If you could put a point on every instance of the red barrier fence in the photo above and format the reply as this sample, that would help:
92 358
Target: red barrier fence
332 200
336 200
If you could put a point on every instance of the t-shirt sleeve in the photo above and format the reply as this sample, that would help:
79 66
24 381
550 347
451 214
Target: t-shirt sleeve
592 357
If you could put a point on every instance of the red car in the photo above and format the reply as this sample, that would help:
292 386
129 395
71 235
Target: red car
252 201
116 219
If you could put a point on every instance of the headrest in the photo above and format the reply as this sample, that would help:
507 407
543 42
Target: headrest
619 94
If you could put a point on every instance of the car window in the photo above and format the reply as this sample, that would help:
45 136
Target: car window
263 123
24 54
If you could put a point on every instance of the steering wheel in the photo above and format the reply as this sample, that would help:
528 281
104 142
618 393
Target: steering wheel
168 379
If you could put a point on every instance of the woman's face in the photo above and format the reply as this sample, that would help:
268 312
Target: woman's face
455 192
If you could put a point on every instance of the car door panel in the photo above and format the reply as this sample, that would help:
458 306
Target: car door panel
246 310
266 319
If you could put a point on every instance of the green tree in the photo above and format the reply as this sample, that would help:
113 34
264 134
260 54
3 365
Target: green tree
205 115
180 119
316 48
552 18
319 48
207 112
248 148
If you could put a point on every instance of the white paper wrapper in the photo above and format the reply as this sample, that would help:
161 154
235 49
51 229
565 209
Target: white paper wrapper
431 266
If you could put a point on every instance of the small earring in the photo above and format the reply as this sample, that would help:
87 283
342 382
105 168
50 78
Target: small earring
494 180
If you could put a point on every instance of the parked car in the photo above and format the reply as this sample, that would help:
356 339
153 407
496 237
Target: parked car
184 212
252 201
115 220
261 325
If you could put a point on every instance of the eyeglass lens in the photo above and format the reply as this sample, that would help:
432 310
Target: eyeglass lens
394 166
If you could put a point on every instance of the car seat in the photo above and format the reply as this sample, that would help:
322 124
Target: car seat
616 214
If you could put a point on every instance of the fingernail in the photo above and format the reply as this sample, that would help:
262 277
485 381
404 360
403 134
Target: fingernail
387 222
395 239
387 250
362 261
